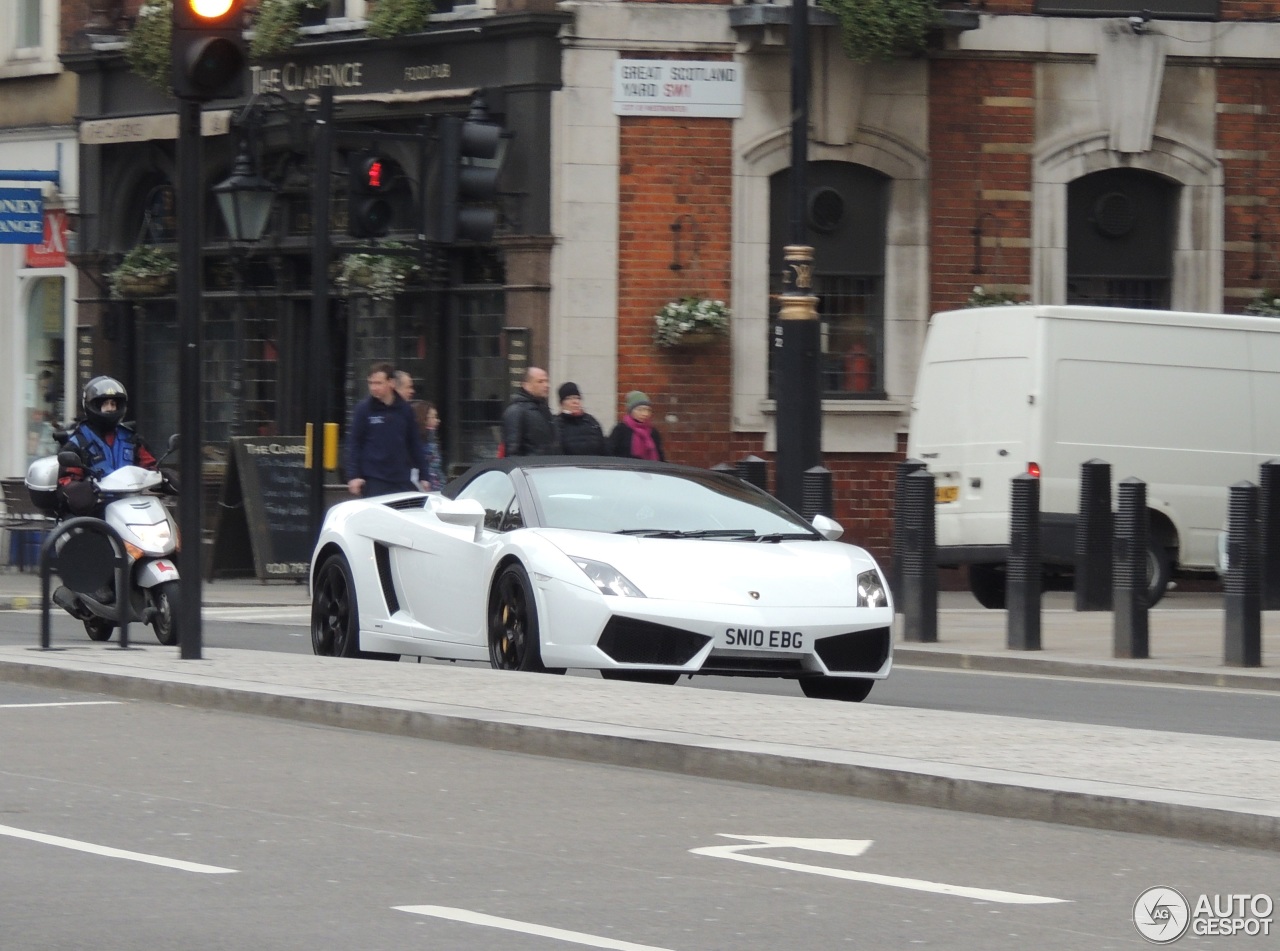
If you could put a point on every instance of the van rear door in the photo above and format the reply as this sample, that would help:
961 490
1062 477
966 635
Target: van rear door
970 423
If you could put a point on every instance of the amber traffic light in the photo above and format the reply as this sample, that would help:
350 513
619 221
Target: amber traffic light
208 52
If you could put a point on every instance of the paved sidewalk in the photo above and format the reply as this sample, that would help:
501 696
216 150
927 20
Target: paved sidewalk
1211 788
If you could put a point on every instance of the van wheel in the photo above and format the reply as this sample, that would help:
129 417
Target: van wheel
1159 571
986 582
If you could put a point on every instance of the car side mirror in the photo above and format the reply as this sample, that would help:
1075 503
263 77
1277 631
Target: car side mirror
464 512
828 528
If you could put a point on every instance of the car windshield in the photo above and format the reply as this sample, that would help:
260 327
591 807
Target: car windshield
661 504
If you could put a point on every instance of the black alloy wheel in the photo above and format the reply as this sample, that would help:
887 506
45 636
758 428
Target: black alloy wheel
335 620
513 623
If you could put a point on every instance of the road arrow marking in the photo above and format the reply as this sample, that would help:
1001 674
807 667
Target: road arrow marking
114 853
524 927
855 847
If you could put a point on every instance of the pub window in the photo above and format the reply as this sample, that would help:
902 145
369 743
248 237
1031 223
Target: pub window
846 213
1120 228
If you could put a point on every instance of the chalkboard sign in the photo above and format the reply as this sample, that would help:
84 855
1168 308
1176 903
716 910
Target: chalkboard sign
264 523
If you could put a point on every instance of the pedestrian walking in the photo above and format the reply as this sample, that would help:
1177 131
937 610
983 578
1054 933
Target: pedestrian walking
527 426
635 437
580 433
433 475
383 446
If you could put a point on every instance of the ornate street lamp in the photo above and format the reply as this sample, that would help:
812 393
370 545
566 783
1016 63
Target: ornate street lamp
245 199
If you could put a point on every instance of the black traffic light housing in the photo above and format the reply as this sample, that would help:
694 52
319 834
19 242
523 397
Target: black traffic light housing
467 190
207 49
372 179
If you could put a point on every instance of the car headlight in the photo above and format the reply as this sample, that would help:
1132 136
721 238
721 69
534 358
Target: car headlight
871 592
608 578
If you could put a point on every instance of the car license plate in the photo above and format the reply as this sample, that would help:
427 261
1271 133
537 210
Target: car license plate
946 493
761 639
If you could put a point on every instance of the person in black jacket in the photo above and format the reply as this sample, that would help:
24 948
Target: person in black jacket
635 437
383 447
527 426
580 433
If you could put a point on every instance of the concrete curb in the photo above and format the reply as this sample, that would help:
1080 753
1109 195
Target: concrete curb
1128 670
890 779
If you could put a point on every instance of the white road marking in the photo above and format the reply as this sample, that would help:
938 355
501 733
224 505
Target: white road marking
856 847
68 703
524 927
109 852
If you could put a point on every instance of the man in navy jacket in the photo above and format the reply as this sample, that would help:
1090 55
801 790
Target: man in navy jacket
383 446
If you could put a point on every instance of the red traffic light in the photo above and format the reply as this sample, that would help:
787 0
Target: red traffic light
373 174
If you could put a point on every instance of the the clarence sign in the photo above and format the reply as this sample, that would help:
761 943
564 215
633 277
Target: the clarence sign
21 216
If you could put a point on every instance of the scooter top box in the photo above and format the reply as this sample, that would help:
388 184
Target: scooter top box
42 483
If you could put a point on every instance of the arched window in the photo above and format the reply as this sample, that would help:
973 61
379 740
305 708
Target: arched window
1120 230
846 211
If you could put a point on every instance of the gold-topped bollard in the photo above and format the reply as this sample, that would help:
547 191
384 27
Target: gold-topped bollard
796 301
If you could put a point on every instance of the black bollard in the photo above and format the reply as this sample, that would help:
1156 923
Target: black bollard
1269 533
1093 538
920 561
899 508
815 492
1024 570
1131 631
1243 598
725 467
755 470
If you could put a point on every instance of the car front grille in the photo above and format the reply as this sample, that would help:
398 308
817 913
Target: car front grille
629 641
857 652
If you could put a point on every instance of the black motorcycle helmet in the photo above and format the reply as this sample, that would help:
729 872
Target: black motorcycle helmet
99 389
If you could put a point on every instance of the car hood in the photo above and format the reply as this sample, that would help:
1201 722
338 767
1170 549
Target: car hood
799 573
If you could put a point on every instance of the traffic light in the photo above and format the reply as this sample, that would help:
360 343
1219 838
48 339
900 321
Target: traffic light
207 49
467 189
370 180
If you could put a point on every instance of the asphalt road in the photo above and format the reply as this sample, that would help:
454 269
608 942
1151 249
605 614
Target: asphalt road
127 825
1203 710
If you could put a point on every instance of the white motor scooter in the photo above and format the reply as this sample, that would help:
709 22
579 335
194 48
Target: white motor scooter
131 506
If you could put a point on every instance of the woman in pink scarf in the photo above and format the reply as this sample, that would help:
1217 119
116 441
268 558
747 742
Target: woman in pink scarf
634 437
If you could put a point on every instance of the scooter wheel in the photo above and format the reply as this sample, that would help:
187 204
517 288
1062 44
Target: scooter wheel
164 598
98 629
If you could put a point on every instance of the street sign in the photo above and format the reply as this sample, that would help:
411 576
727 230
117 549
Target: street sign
21 216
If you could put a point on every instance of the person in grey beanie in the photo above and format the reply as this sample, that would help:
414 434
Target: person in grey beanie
580 432
635 437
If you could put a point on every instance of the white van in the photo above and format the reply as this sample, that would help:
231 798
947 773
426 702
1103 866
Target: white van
1189 403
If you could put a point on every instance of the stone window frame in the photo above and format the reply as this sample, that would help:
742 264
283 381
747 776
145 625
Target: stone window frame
1200 217
848 425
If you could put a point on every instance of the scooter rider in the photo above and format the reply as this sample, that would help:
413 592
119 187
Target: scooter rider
104 443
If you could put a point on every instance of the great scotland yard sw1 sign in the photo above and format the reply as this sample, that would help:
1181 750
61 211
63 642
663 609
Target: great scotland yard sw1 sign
669 87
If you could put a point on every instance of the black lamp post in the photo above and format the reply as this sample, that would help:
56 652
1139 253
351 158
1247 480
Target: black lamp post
245 199
799 382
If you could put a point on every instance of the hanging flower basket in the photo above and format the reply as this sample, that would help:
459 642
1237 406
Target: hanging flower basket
1266 304
144 272
690 321
380 276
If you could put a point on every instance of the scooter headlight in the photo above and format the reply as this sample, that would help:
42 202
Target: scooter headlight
156 539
